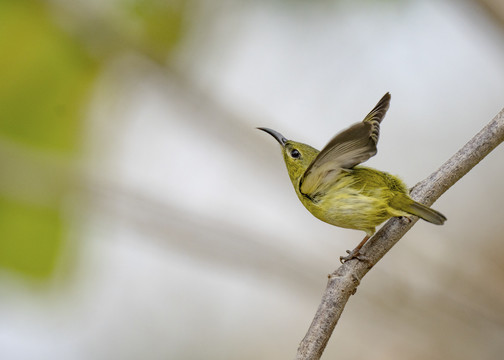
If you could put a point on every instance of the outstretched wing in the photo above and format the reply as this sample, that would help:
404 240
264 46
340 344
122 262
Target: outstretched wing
347 149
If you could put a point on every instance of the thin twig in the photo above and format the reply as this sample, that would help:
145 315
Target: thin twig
343 282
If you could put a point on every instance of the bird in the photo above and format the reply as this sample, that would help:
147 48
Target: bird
334 188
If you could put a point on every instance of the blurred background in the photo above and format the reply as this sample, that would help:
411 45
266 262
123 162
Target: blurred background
143 216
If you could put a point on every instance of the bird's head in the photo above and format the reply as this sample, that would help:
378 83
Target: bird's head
297 156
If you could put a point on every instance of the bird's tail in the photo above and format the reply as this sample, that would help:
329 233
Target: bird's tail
422 211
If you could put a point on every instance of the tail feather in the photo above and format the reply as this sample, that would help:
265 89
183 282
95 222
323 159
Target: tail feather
424 212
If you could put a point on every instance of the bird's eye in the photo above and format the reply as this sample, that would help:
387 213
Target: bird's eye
295 154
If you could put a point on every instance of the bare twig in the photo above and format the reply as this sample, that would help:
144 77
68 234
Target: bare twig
343 282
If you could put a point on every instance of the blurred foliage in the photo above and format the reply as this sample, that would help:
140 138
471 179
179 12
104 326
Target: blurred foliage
46 78
158 25
30 237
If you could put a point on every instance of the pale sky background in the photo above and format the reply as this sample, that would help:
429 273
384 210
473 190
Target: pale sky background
189 241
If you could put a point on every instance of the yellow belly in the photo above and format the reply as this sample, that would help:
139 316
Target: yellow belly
349 208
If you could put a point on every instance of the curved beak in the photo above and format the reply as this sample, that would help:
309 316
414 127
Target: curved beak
279 137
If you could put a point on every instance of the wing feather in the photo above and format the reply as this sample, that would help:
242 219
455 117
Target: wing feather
347 149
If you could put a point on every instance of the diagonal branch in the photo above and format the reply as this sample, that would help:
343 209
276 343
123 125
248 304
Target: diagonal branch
343 282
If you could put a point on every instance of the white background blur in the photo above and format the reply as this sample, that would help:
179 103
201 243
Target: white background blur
186 239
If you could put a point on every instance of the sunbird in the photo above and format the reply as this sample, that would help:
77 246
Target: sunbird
334 188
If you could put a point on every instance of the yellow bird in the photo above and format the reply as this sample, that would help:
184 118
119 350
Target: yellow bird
332 186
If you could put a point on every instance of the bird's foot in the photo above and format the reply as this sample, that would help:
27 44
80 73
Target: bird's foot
354 254
406 218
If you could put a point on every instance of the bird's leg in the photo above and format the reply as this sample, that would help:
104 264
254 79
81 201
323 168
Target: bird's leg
355 252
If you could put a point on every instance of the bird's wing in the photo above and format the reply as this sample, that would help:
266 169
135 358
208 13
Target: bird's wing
347 149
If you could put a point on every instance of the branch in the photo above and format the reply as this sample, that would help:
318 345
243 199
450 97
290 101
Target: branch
343 282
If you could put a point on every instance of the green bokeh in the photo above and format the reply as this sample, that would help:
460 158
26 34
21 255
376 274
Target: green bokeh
31 237
160 25
46 77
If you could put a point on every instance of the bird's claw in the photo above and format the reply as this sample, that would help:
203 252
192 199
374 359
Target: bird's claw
353 254
407 219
